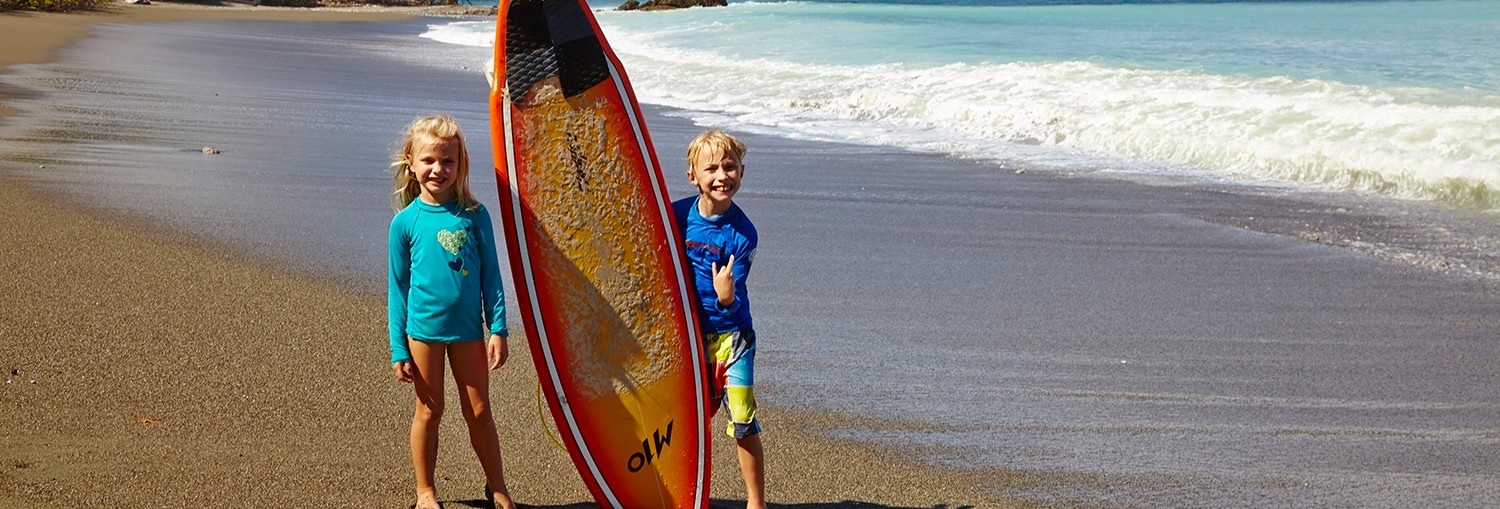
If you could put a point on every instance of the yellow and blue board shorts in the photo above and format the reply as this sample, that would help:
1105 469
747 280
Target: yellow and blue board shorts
732 355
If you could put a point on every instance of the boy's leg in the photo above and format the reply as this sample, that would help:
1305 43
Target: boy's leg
739 396
753 469
428 384
473 378
745 429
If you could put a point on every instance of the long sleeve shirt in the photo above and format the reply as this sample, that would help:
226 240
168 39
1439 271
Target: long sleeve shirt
709 241
444 277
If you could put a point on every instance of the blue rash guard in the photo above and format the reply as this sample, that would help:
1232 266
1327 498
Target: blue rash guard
710 241
444 277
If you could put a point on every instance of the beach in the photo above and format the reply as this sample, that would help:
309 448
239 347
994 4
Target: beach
155 369
183 329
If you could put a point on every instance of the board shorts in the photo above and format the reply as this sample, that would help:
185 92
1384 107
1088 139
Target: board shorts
732 367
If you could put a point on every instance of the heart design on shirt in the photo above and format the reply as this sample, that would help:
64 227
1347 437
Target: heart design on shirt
452 241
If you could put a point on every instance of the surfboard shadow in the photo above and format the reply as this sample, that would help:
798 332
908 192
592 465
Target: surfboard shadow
846 504
603 364
736 504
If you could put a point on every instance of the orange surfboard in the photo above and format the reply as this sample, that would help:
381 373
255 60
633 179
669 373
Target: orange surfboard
601 281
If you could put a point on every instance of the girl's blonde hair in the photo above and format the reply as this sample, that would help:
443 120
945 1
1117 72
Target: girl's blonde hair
404 185
715 139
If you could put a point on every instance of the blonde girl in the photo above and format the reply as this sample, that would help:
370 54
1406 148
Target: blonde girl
446 299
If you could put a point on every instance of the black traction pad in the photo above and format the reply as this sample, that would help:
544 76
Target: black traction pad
545 38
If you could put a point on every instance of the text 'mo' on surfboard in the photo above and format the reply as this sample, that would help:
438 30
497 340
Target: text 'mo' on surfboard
601 284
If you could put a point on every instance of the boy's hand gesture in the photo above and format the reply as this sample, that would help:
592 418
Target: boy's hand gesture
724 282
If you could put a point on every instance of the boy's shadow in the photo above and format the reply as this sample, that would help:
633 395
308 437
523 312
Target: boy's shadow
720 504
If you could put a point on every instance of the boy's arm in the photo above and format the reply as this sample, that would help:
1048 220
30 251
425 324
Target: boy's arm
725 283
729 279
740 262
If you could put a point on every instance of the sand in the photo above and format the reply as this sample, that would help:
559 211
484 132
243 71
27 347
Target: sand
145 368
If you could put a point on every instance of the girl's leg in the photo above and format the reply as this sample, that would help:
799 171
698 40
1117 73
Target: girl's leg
473 378
428 383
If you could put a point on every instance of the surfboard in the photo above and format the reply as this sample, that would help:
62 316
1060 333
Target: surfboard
601 281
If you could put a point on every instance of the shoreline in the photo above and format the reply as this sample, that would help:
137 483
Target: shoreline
35 37
172 371
1146 345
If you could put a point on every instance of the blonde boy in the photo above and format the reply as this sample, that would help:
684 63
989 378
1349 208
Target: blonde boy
720 244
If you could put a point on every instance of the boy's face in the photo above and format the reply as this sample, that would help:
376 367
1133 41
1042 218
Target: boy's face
434 164
717 177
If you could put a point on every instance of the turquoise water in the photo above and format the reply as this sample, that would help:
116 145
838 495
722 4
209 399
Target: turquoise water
1179 346
1393 99
1445 45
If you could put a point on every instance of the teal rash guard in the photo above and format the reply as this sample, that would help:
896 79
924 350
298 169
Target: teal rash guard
445 283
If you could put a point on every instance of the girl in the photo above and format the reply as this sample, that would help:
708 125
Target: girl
446 298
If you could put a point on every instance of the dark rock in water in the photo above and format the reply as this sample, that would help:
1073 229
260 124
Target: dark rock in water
660 5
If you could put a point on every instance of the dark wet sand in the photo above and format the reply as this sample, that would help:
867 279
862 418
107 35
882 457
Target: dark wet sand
157 370
1121 325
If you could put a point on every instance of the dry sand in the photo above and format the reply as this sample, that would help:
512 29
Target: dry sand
145 368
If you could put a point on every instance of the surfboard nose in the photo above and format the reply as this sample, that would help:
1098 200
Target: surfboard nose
546 38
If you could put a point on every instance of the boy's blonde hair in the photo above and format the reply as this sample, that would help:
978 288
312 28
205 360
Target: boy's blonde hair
715 139
404 186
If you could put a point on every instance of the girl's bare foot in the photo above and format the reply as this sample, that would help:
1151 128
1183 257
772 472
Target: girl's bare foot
427 500
499 499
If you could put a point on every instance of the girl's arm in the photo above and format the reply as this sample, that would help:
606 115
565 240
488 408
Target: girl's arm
496 351
399 283
490 282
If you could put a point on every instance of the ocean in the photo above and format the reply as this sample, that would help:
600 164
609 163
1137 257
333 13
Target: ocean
1397 99
1244 252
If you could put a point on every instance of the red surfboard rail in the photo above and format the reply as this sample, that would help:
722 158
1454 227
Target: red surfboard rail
601 281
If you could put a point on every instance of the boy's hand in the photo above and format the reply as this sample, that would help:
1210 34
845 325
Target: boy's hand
724 282
497 351
404 371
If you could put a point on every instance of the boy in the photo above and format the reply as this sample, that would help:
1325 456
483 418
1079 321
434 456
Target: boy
720 243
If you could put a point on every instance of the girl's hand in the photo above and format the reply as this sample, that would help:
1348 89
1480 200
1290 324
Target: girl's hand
404 371
724 282
497 351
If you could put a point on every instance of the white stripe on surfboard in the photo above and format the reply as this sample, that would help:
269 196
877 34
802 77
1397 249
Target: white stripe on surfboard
536 313
662 203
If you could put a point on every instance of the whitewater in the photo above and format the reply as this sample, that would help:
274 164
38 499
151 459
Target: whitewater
1392 100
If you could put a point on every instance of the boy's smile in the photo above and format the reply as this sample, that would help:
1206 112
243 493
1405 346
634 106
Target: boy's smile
716 175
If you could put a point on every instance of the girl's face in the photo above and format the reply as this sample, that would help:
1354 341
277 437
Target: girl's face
717 177
434 165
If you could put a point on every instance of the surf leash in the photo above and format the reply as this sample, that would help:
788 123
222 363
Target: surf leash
541 418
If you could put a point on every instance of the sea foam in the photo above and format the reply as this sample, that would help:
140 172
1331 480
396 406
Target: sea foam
1408 142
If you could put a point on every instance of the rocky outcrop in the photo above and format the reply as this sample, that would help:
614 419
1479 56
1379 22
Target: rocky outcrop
661 5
